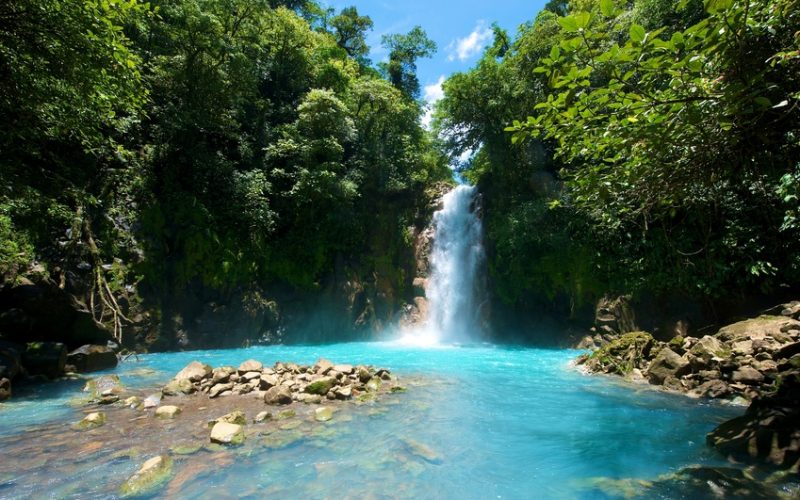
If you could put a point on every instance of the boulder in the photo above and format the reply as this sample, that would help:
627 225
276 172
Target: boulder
711 389
92 420
346 369
235 417
622 355
45 358
667 363
267 381
150 475
167 412
5 389
225 433
103 386
321 386
759 328
323 414
194 372
769 431
176 387
222 374
278 395
92 358
363 374
747 375
219 389
708 348
251 365
615 315
10 360
322 366
345 392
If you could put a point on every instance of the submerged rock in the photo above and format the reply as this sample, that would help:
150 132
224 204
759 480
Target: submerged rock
152 474
104 386
167 412
92 420
323 414
225 433
422 451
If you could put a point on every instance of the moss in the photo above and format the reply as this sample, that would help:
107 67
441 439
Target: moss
621 355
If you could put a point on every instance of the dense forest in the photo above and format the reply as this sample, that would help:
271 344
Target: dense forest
184 168
169 164
648 148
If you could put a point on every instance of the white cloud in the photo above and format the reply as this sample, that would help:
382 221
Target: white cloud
432 93
471 45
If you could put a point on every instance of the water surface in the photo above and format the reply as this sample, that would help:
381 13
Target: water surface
500 422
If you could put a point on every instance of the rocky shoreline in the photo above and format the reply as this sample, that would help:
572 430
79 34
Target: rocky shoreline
754 362
216 408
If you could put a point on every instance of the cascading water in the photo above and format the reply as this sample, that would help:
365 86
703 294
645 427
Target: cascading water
456 260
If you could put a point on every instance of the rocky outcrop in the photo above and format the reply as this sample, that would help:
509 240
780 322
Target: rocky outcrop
283 383
91 358
744 359
754 360
770 429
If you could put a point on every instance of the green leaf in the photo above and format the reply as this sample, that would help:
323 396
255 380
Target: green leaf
714 6
568 23
637 33
555 53
583 19
607 8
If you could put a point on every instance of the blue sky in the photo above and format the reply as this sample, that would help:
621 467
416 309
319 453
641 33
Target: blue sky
461 29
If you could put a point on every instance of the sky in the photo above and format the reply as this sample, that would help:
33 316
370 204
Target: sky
460 28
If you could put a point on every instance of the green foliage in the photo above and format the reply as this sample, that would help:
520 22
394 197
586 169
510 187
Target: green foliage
679 138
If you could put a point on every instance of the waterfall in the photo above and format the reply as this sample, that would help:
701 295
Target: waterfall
456 260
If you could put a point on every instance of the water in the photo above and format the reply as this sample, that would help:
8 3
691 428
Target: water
500 422
456 259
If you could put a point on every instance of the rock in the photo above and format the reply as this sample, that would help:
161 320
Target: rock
747 375
152 474
622 355
218 389
167 411
268 380
250 376
251 365
743 348
194 372
322 366
284 414
422 451
103 386
321 386
374 384
363 374
615 315
235 417
708 348
323 414
132 402
92 358
151 401
225 433
711 389
419 285
221 374
758 329
262 417
666 363
5 389
769 431
175 387
344 392
706 482
279 395
10 360
345 369
92 420
787 351
45 358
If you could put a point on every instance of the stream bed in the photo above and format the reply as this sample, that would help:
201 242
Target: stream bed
476 422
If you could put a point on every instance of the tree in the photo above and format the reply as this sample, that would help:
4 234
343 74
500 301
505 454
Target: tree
350 32
404 50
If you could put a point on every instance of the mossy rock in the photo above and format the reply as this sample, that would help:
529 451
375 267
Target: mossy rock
321 386
622 355
150 476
